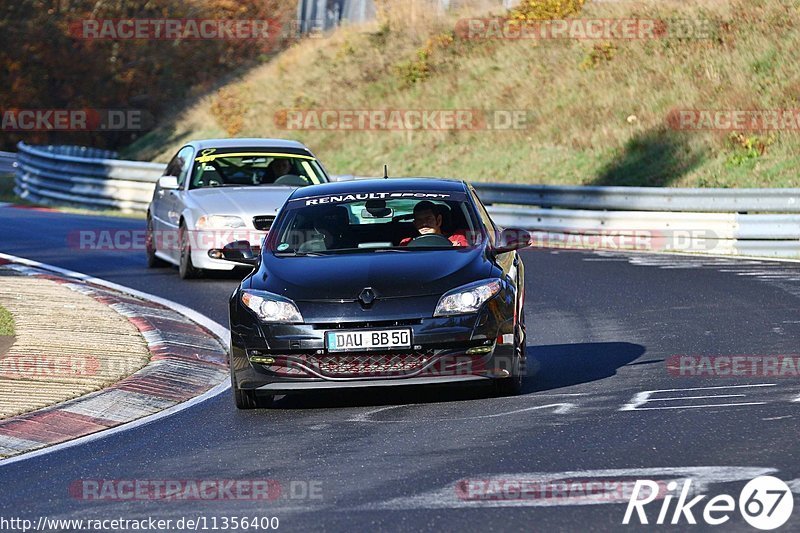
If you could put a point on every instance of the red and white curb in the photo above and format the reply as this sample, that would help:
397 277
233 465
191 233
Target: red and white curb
188 364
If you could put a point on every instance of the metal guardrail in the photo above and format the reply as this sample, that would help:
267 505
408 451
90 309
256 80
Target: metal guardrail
85 177
760 222
644 198
8 162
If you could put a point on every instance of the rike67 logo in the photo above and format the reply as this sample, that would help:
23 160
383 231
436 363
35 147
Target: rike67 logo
765 503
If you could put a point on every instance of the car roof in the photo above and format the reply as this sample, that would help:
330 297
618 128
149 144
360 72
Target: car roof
246 142
381 185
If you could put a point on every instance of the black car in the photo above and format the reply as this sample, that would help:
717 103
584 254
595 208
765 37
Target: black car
378 283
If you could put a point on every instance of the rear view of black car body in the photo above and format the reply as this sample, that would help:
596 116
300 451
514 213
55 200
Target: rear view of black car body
348 292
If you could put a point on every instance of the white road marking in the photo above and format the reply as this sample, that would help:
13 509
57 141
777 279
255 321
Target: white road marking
558 408
449 497
641 398
695 406
364 417
563 394
697 397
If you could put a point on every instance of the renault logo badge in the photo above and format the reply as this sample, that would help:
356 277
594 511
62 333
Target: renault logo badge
367 297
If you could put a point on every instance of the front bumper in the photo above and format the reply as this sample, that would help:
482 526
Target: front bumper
204 241
288 387
293 358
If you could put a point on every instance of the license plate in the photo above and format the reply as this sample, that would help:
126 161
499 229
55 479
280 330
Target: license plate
352 341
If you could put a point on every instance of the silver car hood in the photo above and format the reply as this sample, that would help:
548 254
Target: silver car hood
245 202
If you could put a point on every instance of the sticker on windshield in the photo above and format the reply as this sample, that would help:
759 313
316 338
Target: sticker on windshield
210 154
341 198
282 247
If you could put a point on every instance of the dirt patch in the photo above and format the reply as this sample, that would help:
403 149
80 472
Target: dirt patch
5 344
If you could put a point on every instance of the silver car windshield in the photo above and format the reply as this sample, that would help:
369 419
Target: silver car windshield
248 169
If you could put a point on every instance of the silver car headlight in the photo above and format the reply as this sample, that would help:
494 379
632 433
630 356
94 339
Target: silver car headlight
271 307
219 222
468 298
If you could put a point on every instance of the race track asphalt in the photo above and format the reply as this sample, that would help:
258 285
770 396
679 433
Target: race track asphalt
601 405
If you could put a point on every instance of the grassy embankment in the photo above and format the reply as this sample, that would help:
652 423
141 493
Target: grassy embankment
597 108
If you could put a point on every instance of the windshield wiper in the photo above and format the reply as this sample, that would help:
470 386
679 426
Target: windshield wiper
299 254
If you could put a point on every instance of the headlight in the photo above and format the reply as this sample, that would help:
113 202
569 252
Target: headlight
271 307
467 299
219 222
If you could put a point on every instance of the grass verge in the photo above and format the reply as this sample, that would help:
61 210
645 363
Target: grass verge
6 323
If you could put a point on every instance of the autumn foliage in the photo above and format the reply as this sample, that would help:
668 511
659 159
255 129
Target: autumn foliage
45 65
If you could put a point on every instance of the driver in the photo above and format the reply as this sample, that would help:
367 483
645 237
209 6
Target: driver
276 169
429 222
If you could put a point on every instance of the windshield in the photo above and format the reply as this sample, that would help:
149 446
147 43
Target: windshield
372 222
252 168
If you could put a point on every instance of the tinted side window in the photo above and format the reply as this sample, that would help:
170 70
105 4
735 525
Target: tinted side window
180 164
174 166
184 158
484 215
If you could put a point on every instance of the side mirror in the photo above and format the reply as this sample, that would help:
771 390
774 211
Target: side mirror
512 239
237 252
168 182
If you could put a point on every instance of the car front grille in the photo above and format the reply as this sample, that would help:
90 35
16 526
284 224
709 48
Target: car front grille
263 222
350 365
364 325
369 364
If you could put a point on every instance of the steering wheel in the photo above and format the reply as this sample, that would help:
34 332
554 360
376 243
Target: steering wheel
433 239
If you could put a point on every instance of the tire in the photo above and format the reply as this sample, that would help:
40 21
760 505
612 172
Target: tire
185 267
512 386
247 399
150 247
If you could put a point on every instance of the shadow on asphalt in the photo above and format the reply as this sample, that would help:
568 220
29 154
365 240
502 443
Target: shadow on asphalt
553 367
563 365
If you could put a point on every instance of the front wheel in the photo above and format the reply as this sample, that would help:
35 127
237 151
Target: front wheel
185 267
150 246
512 386
247 399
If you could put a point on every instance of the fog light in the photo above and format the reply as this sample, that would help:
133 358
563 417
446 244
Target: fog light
480 350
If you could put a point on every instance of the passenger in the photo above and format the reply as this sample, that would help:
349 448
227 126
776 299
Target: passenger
334 225
429 222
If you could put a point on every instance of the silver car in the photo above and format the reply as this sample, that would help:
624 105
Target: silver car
218 191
